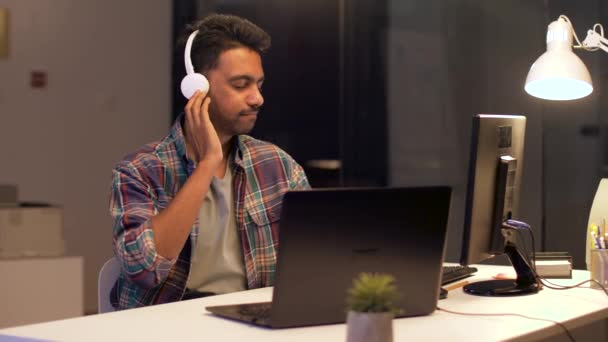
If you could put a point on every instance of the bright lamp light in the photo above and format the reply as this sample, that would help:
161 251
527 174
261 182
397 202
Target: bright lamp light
559 74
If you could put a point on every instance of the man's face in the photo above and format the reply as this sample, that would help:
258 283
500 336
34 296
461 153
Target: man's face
235 90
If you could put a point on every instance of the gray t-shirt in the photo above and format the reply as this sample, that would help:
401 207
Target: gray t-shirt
217 259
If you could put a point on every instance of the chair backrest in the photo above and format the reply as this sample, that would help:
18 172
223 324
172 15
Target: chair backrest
107 277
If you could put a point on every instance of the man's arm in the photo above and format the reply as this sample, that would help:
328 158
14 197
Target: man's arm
146 241
172 226
132 206
135 212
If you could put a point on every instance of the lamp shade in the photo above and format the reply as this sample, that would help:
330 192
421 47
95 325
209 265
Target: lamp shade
559 74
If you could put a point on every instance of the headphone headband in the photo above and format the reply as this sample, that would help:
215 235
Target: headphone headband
187 57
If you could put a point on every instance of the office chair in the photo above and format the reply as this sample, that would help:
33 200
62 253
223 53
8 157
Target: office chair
107 277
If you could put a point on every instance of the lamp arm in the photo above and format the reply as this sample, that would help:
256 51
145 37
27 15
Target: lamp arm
595 40
603 47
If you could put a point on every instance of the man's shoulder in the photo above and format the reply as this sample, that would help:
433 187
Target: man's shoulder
150 156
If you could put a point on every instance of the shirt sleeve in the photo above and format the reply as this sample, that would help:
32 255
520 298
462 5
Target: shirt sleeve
132 206
298 180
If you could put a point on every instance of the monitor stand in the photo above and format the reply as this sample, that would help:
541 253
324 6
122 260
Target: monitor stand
526 282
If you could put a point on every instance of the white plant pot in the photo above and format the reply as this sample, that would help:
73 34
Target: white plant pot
369 327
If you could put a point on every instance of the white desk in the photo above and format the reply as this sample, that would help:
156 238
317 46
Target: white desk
188 321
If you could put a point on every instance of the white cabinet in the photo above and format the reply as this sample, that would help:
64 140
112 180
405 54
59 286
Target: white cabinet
34 290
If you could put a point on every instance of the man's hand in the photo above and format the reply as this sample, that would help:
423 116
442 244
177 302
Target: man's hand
201 136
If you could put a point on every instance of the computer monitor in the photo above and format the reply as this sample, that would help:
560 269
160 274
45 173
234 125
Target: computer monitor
494 181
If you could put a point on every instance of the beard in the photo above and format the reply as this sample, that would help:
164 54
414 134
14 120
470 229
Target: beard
231 124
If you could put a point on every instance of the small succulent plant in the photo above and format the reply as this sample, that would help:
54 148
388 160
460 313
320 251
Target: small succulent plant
373 292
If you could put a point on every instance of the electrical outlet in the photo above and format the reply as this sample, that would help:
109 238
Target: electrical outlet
38 79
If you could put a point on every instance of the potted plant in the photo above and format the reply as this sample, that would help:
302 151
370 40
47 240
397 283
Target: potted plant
371 308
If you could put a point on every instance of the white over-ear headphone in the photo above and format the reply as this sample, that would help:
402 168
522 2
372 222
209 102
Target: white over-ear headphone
193 81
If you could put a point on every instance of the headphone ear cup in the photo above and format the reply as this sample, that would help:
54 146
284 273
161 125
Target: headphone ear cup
193 82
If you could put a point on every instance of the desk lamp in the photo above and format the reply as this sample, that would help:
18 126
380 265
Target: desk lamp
559 74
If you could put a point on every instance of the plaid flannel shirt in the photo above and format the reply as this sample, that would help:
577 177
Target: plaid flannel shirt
145 182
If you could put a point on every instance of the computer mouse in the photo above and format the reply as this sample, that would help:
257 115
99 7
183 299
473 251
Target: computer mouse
443 293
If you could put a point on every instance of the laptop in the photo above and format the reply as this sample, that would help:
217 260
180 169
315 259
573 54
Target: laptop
328 236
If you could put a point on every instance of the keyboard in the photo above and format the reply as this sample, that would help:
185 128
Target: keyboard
259 311
452 273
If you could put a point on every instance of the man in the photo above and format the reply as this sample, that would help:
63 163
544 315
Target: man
197 213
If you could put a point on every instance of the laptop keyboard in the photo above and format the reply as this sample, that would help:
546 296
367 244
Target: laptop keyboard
260 311
452 273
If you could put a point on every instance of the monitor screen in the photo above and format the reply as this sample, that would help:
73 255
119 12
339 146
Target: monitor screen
493 186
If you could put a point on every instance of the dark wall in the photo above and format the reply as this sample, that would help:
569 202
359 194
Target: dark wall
329 81
324 88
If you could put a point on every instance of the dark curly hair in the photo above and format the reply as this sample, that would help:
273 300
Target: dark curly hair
221 32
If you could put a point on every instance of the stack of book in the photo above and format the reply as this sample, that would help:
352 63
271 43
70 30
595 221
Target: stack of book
554 264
